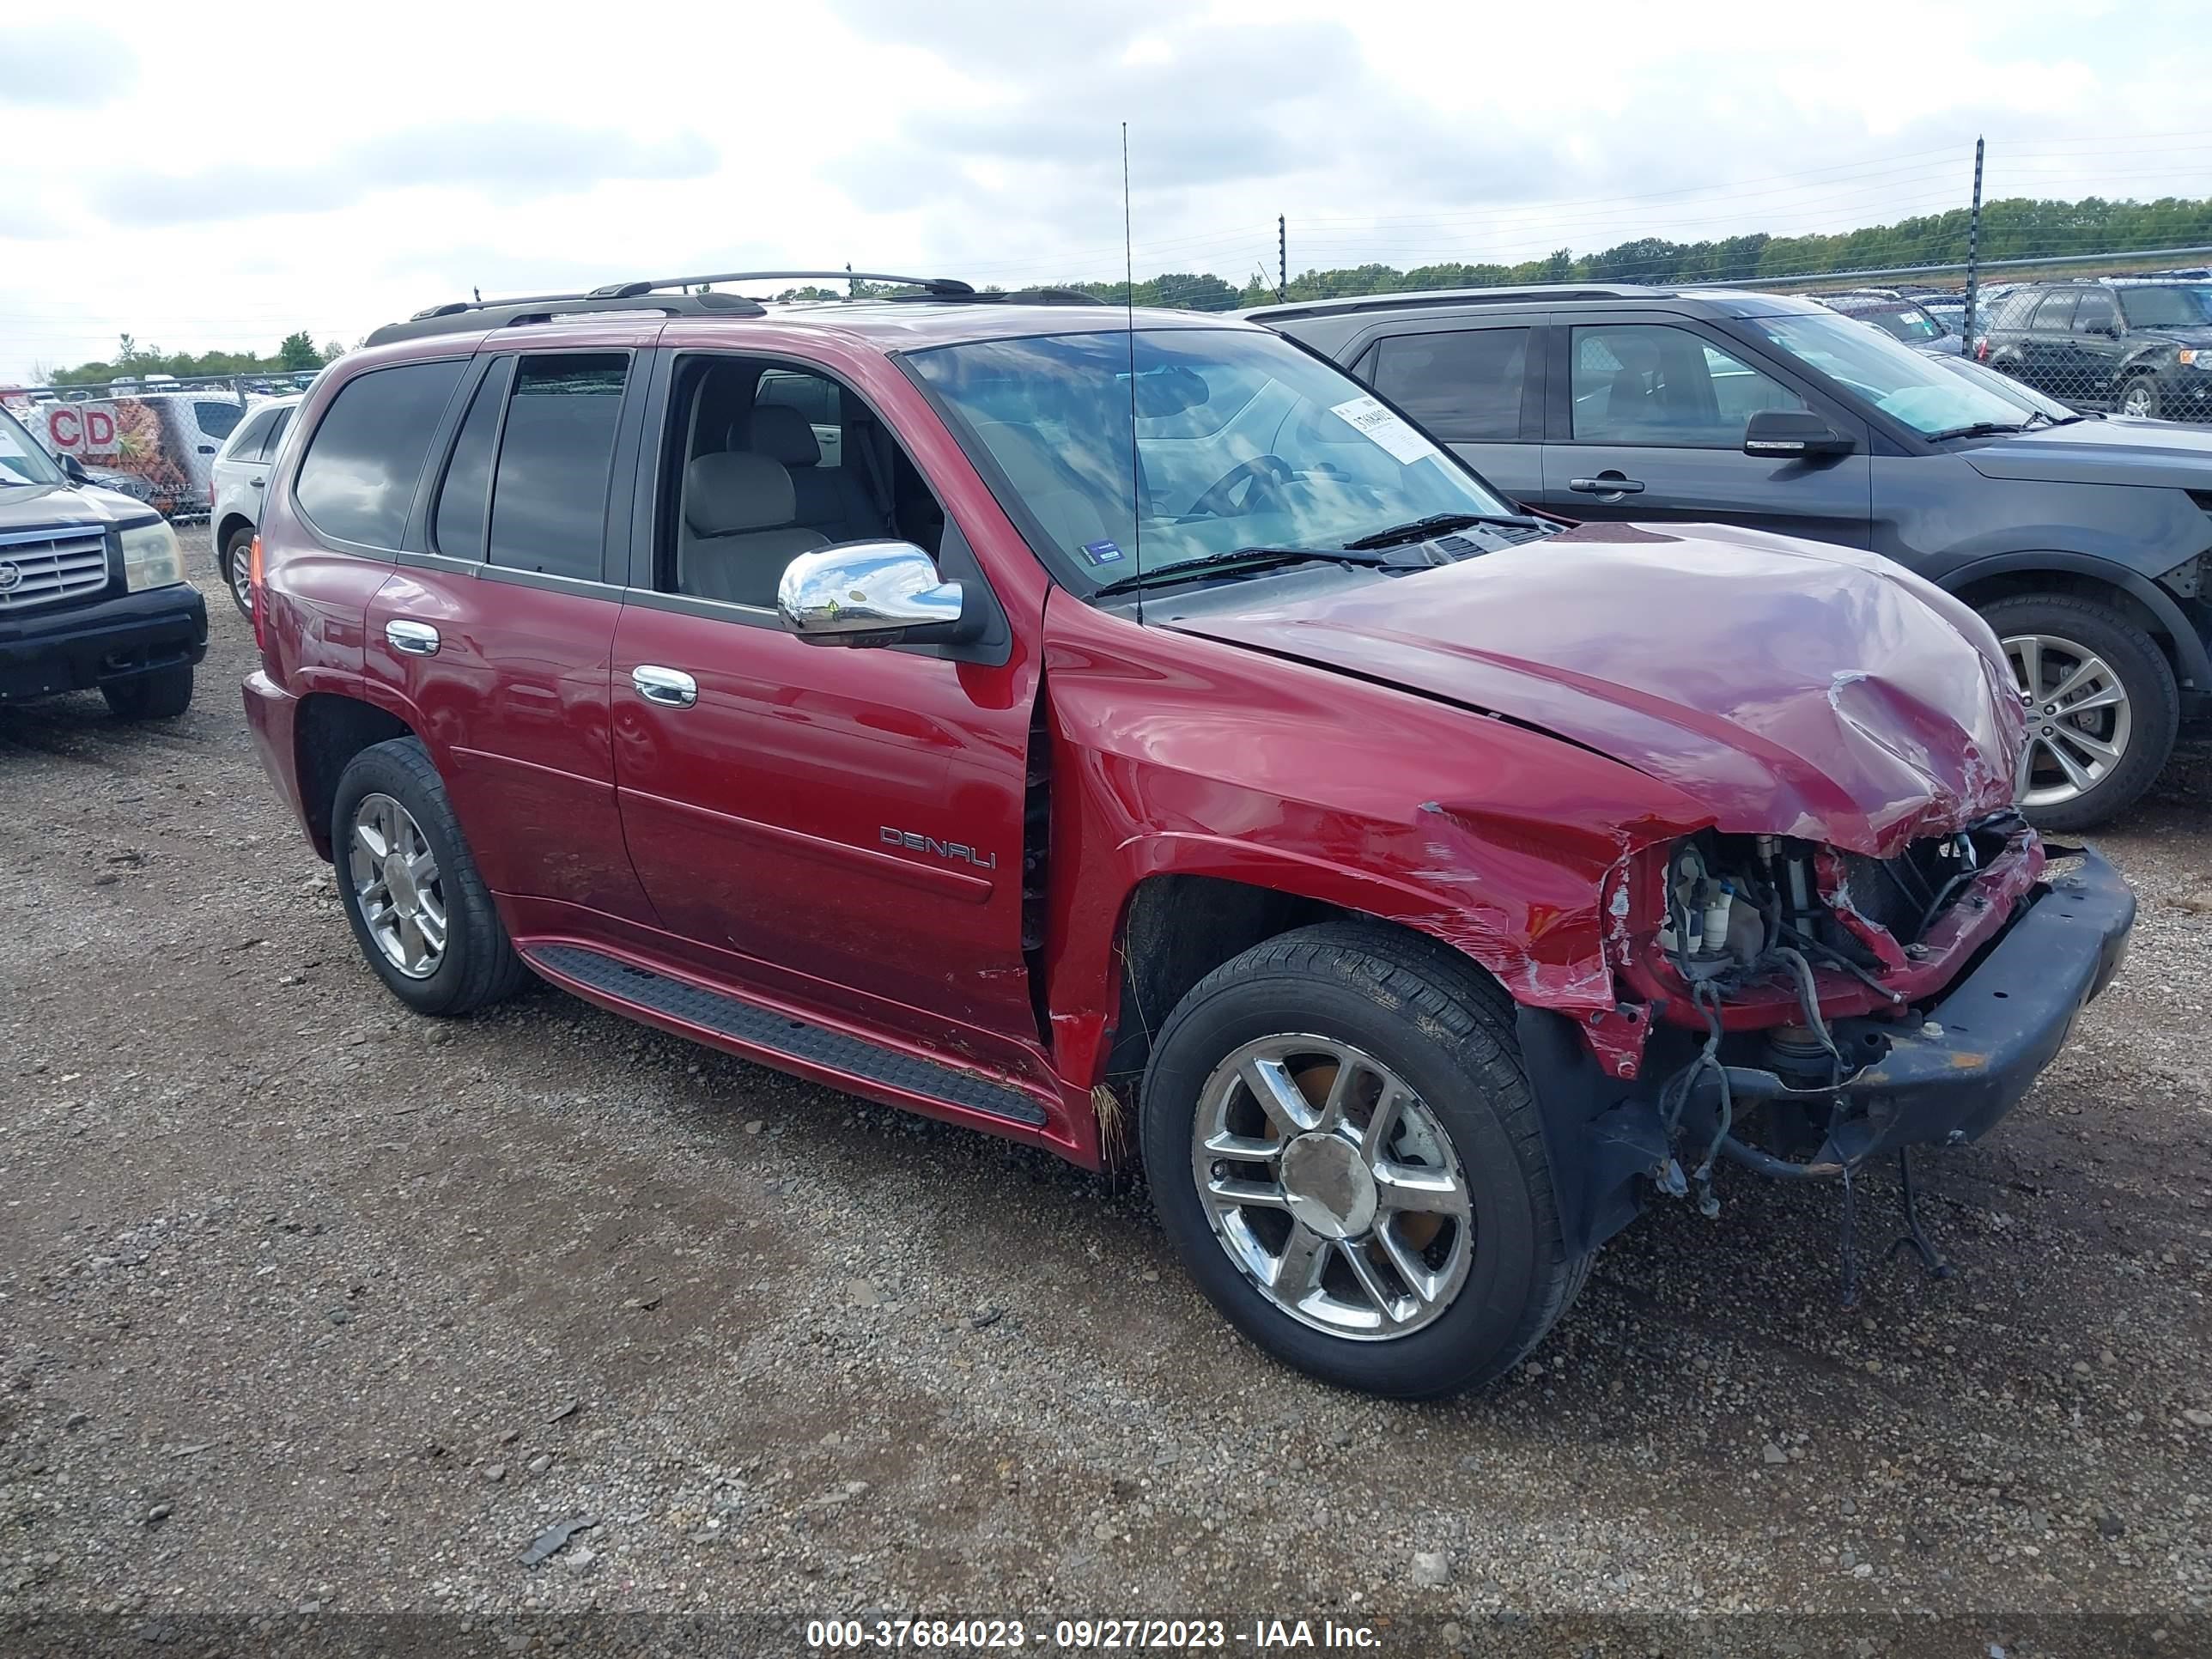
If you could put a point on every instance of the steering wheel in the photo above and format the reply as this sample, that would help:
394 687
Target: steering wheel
1266 474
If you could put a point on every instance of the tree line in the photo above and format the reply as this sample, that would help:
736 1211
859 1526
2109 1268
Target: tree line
2016 227
297 351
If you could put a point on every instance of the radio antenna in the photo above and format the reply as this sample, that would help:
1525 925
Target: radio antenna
1129 316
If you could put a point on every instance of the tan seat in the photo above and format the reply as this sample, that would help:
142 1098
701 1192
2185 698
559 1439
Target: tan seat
736 535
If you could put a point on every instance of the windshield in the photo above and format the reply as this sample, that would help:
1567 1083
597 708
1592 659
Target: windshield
1900 320
22 460
1243 441
2005 387
1902 383
2167 307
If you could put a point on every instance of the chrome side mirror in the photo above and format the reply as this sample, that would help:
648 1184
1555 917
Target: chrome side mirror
871 594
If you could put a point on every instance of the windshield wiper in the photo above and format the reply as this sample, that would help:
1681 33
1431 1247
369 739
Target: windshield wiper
1979 429
1244 558
1438 524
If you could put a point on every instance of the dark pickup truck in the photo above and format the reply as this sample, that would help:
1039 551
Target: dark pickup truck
92 590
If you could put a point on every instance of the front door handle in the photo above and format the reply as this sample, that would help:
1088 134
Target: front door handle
257 483
1607 483
672 688
415 639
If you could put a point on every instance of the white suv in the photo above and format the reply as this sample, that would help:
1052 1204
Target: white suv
238 477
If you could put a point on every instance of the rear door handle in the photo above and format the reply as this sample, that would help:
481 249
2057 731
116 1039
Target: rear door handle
257 483
415 639
1607 483
672 688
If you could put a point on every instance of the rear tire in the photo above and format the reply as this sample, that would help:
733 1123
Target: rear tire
2134 706
1466 1208
426 925
160 696
237 564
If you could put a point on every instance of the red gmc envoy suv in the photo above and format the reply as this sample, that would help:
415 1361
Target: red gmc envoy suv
1125 733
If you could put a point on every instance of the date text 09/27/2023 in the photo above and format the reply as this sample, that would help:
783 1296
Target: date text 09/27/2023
1105 1635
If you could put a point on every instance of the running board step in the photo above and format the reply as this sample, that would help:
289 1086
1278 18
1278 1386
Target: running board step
783 1034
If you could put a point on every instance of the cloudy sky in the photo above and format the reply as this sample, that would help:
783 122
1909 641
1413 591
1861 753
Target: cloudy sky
216 176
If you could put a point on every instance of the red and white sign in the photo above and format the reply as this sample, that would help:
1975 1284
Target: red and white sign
81 432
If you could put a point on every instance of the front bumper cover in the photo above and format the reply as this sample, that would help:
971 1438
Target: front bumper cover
77 647
1981 1046
1943 1078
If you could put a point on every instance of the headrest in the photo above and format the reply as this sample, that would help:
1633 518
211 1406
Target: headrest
736 490
782 434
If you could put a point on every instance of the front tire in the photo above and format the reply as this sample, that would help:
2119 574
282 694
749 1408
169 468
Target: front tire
2139 396
160 696
418 909
2103 707
1346 1153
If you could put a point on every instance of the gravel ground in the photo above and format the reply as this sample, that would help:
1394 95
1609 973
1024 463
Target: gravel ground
309 1307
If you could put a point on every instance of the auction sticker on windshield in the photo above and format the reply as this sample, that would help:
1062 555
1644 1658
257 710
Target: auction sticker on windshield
1390 431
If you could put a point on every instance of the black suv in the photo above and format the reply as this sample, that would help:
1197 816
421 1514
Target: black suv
92 589
2084 542
2141 347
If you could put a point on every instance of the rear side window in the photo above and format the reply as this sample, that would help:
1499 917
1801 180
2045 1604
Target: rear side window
2056 314
251 441
217 420
548 501
1465 387
358 479
458 525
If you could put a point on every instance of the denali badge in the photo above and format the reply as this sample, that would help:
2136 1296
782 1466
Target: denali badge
944 850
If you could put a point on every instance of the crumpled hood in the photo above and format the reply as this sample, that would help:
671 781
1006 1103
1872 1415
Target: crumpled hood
1794 688
2119 451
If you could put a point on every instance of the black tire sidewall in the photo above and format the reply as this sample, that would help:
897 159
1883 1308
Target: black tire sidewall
240 546
375 771
163 694
1508 1256
2154 698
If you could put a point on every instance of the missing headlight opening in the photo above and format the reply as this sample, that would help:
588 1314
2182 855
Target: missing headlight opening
1755 934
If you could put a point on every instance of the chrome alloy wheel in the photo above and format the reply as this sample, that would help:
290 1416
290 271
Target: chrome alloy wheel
239 566
2078 718
1333 1188
396 882
2139 399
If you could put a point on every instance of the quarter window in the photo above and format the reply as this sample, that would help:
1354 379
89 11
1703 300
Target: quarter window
251 441
1656 384
1464 385
358 479
549 503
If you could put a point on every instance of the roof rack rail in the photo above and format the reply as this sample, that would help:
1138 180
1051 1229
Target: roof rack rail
943 288
1044 296
463 315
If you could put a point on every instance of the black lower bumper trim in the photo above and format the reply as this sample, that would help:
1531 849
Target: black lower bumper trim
1950 1076
81 647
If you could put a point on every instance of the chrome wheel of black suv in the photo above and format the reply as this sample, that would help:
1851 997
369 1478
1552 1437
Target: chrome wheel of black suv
2102 707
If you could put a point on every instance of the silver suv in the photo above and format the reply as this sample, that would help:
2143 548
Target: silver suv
238 477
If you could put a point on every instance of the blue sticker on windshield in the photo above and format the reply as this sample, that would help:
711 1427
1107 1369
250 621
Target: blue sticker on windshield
1102 552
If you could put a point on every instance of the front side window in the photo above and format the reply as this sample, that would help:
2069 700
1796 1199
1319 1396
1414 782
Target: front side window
1653 384
1225 439
549 498
1906 385
2097 314
1464 385
2167 308
217 420
358 477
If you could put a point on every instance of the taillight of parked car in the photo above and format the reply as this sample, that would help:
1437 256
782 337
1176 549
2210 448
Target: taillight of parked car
260 601
1982 349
